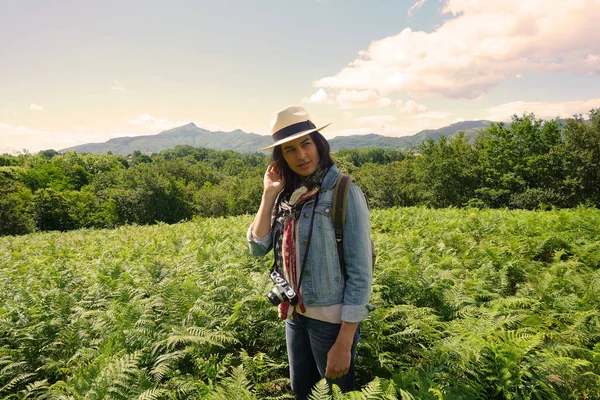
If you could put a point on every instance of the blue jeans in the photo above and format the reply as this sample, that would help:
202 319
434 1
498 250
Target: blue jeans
308 342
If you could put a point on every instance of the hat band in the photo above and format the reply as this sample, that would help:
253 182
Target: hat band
293 129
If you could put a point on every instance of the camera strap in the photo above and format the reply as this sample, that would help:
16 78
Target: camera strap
310 228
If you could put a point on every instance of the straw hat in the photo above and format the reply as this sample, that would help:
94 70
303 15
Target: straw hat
290 124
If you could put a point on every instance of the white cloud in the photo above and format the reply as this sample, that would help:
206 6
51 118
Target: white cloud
541 109
415 7
151 124
382 125
431 115
217 127
146 119
361 99
483 44
117 87
148 122
35 107
376 119
320 97
17 138
410 107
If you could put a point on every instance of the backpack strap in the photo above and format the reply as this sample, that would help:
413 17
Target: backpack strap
340 200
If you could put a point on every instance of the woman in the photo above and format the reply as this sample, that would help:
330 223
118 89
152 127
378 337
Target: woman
294 219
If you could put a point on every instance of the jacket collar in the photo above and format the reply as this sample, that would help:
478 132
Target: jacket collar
330 178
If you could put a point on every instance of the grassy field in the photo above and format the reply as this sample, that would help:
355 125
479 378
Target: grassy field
471 304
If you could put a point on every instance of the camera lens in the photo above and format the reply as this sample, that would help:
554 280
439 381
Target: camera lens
274 297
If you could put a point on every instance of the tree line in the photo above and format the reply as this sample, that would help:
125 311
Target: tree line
528 163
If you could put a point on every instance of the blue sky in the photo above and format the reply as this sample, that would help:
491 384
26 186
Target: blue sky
74 72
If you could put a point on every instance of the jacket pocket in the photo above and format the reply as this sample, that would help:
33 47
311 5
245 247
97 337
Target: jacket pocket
327 276
323 216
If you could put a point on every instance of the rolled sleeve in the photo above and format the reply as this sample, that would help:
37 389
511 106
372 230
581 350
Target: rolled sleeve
355 313
358 258
259 246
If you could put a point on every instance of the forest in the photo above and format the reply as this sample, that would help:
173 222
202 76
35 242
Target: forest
527 164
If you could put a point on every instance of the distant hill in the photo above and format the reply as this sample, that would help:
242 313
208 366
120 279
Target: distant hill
188 134
244 142
471 129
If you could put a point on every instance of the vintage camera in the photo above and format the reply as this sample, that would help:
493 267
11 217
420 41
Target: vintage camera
282 291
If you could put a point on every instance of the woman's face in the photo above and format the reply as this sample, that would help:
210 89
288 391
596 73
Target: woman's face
301 155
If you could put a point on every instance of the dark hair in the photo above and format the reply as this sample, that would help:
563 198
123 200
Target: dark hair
290 177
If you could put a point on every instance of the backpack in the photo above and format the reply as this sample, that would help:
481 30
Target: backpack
340 200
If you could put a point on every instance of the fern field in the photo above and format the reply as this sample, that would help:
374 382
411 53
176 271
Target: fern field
471 304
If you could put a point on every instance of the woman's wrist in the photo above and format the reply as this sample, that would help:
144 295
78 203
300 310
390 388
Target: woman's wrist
345 337
269 197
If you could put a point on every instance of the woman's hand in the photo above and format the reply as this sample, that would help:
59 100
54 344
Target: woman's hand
338 361
272 185
339 356
273 182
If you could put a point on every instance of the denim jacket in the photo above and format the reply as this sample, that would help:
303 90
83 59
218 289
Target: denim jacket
323 283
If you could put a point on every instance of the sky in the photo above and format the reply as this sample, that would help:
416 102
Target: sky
81 71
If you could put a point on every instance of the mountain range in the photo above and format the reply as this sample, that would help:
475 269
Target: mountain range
243 142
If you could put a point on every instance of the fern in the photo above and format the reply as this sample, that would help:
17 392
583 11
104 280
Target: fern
118 377
36 389
463 310
404 395
165 363
372 391
377 389
152 394
16 381
197 336
259 368
321 391
236 386
183 388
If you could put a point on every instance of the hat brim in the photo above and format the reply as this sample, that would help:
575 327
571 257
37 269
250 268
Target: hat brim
293 137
